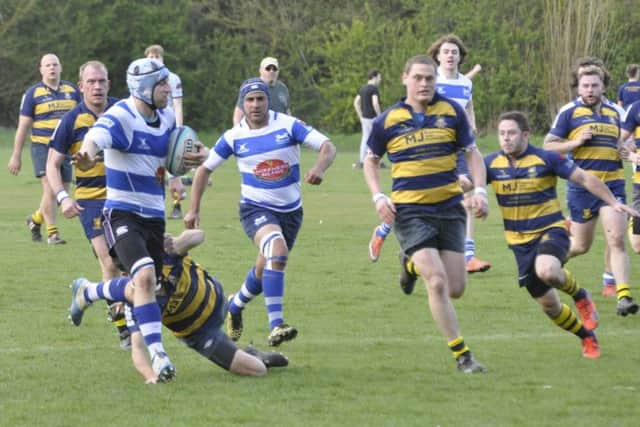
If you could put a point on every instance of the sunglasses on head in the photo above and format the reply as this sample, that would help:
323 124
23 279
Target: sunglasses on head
271 68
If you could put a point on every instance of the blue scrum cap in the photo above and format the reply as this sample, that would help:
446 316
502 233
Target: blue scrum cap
254 84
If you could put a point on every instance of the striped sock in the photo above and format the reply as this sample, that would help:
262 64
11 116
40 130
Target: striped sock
458 347
112 290
52 229
273 286
469 249
251 287
568 321
37 217
608 279
623 290
383 230
571 288
148 318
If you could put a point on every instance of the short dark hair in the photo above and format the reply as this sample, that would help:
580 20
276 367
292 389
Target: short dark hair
587 61
517 116
373 73
632 70
419 59
434 49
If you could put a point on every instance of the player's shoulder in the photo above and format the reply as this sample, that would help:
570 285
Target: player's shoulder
396 113
569 106
33 88
489 158
67 86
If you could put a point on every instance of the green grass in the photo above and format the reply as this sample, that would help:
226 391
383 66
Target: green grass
366 355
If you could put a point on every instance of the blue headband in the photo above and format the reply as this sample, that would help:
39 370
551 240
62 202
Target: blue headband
254 84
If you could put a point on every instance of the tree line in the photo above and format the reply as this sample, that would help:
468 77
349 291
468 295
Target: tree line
325 49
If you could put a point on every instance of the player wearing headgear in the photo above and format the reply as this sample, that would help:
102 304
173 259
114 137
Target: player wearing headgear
134 135
266 146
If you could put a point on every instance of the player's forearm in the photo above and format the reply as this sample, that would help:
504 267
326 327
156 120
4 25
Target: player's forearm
477 169
326 156
199 184
560 145
54 162
22 132
371 172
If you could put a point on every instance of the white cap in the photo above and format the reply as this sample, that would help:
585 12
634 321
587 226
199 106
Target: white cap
269 61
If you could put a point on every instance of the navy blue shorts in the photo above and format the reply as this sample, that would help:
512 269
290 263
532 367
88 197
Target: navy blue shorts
416 229
584 206
91 217
39 154
209 340
255 217
555 242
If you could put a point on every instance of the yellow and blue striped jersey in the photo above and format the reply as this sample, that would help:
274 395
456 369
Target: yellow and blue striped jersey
599 155
632 124
422 149
46 106
526 191
191 295
67 139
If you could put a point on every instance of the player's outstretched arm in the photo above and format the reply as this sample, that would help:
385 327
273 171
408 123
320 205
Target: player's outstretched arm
140 358
325 157
184 242
199 184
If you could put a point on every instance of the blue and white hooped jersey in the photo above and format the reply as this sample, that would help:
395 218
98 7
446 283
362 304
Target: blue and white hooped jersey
459 89
268 159
134 158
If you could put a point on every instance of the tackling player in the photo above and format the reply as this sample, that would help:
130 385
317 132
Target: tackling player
193 308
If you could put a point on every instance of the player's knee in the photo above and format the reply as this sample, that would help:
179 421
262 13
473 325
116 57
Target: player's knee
547 274
579 248
437 285
145 280
273 248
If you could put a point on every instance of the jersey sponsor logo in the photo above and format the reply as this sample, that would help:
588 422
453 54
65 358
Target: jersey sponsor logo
272 170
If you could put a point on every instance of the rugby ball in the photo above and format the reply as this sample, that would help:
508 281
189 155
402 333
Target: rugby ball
181 141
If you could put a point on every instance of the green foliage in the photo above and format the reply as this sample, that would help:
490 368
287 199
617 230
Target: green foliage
325 49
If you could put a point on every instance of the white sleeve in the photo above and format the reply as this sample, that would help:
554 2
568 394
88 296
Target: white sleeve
100 136
213 161
176 85
314 140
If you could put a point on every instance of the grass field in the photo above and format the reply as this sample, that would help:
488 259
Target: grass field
366 355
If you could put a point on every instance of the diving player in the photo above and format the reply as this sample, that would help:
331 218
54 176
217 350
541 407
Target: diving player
193 308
